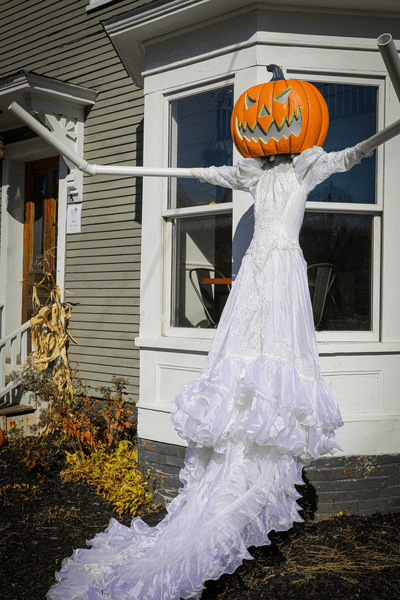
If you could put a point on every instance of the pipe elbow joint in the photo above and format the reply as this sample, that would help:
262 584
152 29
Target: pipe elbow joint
87 168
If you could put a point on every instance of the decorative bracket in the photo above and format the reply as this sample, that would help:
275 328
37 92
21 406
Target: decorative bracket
66 129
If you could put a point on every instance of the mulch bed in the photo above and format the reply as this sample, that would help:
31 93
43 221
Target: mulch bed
43 520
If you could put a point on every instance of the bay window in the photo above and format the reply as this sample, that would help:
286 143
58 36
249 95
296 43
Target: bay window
340 236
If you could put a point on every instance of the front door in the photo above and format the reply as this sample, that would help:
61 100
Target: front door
40 228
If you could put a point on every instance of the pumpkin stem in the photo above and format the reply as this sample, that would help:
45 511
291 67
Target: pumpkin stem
276 71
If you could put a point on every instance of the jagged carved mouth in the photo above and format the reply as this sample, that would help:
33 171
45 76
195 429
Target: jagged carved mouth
273 132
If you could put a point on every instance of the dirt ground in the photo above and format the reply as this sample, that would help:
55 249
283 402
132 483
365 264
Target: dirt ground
43 520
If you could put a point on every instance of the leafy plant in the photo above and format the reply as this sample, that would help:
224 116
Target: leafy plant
116 475
35 461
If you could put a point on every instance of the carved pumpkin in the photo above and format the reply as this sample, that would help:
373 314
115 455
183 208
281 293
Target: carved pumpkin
279 117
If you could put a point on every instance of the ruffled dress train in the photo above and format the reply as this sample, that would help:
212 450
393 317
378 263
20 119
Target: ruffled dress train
256 415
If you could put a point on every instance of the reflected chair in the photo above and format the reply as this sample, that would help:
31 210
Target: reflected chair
204 282
322 281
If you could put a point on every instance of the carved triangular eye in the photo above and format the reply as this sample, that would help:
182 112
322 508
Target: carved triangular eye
249 101
282 96
264 112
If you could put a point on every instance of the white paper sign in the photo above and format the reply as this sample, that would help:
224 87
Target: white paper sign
74 213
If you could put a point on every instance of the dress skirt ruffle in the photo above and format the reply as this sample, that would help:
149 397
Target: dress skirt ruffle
257 414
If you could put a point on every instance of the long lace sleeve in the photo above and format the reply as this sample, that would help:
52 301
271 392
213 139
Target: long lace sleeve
315 165
243 176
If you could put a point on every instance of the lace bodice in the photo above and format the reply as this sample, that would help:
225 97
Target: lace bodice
278 211
280 189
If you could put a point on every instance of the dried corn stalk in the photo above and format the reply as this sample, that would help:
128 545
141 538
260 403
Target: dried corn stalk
49 331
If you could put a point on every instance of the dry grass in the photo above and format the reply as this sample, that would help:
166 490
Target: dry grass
346 557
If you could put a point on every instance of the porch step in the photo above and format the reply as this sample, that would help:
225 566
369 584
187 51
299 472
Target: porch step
6 408
17 417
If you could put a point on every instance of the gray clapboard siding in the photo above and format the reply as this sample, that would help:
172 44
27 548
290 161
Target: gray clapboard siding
100 252
61 40
116 218
106 295
124 330
108 336
91 278
134 234
93 317
104 376
108 101
125 356
101 185
104 146
99 244
96 268
88 256
107 340
109 228
111 71
92 286
30 19
102 139
126 95
33 42
27 26
124 368
122 115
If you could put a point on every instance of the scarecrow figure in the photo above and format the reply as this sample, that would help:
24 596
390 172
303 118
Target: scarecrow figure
260 409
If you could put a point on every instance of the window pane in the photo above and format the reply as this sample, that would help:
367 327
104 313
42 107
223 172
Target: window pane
200 137
352 119
345 242
202 250
39 194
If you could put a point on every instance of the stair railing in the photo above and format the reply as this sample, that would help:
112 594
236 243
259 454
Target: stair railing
11 346
1 317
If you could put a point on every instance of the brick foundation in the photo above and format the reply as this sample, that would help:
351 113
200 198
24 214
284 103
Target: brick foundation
359 485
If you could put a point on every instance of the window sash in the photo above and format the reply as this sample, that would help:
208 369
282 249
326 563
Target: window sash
376 210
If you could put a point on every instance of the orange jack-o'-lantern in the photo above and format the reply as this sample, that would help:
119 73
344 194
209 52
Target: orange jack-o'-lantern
279 117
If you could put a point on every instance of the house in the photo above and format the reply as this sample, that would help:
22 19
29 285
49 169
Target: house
95 73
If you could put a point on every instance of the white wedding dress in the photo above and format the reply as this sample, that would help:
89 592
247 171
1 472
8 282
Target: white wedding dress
256 415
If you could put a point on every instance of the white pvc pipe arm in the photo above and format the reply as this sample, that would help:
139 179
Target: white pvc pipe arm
392 62
381 137
391 59
82 164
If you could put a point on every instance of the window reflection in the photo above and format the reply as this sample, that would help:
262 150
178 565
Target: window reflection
345 242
